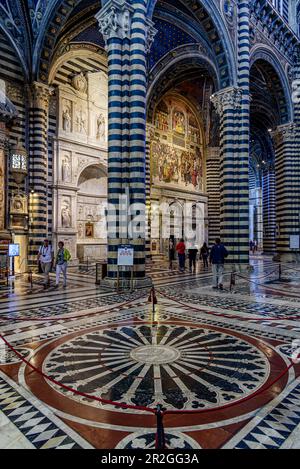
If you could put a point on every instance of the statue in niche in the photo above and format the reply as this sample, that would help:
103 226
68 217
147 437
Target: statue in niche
101 127
81 121
66 215
66 169
80 231
67 120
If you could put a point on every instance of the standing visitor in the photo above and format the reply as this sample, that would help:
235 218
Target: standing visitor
62 258
45 259
180 248
252 247
193 251
217 257
204 253
171 253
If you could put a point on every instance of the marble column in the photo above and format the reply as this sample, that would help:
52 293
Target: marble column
3 233
269 209
128 35
213 191
287 166
38 166
234 169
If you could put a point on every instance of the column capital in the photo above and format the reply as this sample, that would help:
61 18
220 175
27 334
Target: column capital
285 132
229 98
151 32
115 20
40 95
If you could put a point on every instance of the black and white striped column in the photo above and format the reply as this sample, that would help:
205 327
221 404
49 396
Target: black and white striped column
269 209
128 34
38 167
233 106
287 166
213 191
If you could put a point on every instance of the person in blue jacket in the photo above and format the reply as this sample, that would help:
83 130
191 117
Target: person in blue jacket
217 258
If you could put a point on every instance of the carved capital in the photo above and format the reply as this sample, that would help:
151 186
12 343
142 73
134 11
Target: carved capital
115 20
151 32
40 95
286 132
229 98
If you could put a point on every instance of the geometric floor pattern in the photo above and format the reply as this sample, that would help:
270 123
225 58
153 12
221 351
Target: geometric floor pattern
226 358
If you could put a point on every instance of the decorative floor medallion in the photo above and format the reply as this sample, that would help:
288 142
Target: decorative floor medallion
179 367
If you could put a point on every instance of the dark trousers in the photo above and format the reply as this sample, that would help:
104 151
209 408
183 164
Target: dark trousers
192 260
181 258
205 261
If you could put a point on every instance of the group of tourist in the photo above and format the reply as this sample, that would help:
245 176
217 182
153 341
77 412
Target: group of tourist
216 256
47 261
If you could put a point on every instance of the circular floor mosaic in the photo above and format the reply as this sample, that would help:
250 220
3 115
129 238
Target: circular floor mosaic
177 366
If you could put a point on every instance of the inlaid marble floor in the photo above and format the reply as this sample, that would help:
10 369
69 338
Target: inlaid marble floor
223 364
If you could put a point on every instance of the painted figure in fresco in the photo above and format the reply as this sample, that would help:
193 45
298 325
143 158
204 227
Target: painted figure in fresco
179 124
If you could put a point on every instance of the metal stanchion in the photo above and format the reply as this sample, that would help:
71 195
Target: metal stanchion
160 441
232 280
279 272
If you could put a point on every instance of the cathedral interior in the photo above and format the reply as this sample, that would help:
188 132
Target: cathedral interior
126 126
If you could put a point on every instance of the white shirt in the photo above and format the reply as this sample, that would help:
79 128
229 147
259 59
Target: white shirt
46 254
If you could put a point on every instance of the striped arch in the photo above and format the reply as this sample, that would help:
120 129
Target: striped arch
54 21
278 77
217 32
80 57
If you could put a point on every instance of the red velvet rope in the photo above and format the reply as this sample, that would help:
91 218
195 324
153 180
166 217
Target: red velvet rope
230 316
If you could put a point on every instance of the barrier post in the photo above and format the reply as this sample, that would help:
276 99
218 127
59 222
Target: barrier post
232 280
279 272
160 441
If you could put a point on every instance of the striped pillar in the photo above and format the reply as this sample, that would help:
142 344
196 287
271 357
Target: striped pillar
269 209
128 35
233 106
234 197
3 170
150 133
213 191
38 167
287 167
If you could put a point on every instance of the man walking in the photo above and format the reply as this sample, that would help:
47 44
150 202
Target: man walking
62 258
45 258
217 258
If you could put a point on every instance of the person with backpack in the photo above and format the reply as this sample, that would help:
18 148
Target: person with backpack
45 261
62 258
217 258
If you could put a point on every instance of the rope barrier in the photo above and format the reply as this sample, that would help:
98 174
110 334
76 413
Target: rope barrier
227 315
58 318
159 412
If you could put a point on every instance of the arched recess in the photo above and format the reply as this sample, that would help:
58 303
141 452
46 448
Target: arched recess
271 106
212 23
58 17
91 205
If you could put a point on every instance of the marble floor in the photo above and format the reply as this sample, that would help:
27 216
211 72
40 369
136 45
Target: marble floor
222 364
